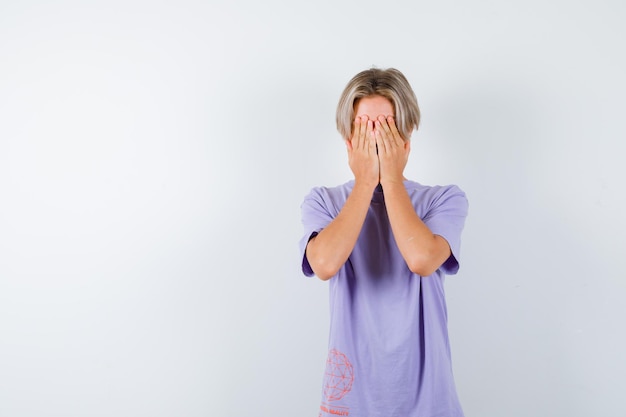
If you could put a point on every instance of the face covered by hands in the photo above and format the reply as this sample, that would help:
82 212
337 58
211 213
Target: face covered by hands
362 153
377 153
393 151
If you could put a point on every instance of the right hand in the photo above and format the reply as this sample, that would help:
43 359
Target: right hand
362 156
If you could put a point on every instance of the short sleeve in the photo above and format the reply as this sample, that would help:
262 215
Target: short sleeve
306 266
315 217
446 218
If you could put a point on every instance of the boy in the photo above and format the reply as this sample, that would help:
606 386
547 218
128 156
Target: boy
384 243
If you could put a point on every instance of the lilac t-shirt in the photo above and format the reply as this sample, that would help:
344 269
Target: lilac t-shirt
389 353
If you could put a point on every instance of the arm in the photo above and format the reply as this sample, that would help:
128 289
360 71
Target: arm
330 249
423 251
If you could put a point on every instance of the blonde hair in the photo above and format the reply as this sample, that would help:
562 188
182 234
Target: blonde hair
389 83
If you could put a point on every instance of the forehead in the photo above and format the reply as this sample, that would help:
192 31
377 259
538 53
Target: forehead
374 106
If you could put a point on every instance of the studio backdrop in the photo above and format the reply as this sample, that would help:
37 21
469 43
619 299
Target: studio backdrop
154 156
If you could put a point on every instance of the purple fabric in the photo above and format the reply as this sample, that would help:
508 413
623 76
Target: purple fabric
389 353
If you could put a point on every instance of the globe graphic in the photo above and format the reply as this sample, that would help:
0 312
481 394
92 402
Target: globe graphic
339 376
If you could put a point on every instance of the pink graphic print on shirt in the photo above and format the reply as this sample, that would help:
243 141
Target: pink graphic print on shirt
339 376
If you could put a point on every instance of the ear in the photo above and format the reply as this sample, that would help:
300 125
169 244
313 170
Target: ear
348 144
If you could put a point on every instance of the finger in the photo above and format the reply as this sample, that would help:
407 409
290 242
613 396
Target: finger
364 128
362 123
358 133
383 146
382 134
388 133
385 126
371 140
394 131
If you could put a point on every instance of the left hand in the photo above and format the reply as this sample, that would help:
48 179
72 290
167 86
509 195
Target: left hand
393 150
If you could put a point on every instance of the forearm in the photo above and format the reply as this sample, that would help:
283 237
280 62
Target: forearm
330 249
422 250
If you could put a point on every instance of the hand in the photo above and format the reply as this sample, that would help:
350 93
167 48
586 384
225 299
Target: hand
393 151
362 156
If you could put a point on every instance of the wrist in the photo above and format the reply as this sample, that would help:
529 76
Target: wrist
365 185
392 182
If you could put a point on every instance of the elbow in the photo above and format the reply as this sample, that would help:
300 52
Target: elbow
423 271
323 266
422 265
324 271
426 260
324 277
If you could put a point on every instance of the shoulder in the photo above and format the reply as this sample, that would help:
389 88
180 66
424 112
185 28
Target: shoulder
328 194
436 195
326 201
416 188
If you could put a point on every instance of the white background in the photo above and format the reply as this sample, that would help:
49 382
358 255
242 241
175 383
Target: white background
154 156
